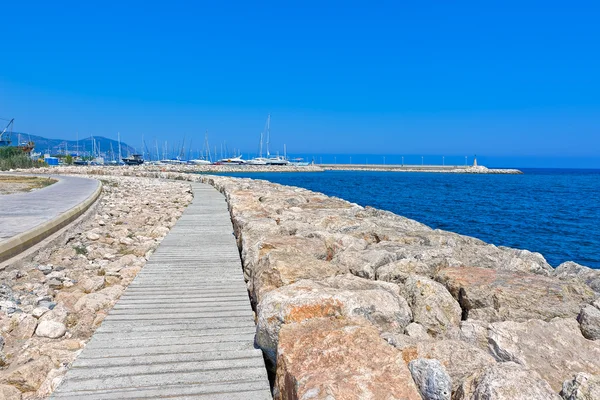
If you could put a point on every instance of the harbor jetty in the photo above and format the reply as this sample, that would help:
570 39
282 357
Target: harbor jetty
454 169
356 302
232 168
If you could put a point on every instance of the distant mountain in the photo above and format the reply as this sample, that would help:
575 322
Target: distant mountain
82 146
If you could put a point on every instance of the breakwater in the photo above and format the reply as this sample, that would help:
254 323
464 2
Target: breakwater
448 169
216 169
401 310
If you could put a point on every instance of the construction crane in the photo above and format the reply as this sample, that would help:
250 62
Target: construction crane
6 133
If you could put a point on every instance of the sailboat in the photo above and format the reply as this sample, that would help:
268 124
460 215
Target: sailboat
259 160
276 160
203 160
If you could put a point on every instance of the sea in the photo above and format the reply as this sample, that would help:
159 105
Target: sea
555 212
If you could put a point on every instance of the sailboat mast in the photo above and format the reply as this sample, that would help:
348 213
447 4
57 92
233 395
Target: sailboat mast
208 146
268 134
261 144
119 140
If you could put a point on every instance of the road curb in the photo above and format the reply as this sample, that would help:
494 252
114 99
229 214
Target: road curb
21 242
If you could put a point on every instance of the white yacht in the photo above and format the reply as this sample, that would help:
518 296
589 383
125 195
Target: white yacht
199 162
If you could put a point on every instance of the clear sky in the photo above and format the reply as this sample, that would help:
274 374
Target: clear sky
515 81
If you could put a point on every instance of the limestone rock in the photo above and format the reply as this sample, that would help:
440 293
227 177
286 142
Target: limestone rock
400 270
91 284
29 377
340 359
305 299
459 359
474 332
589 321
39 311
492 295
364 263
69 299
581 387
99 300
25 326
417 331
572 270
8 392
556 350
92 236
505 381
432 305
431 379
51 329
46 269
287 264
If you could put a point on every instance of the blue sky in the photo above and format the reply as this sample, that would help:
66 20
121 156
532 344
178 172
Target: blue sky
516 82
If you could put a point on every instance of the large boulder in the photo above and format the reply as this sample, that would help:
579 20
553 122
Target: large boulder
432 305
572 270
431 379
589 321
347 296
556 350
459 359
285 265
340 359
492 295
581 387
29 377
505 381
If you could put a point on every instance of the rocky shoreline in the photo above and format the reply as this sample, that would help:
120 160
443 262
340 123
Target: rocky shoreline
355 302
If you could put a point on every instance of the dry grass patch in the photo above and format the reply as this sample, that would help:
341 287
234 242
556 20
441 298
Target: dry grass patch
14 183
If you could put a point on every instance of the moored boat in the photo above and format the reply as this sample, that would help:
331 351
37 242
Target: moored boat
134 159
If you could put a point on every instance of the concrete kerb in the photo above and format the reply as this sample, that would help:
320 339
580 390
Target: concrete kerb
21 242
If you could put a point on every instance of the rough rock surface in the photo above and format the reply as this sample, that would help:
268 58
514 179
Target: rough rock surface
8 392
431 379
459 359
344 296
581 387
432 305
340 359
589 321
505 381
29 377
494 295
572 270
556 350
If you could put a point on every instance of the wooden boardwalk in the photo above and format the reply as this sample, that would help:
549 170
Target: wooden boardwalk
184 327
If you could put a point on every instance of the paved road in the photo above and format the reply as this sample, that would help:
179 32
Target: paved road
184 328
20 212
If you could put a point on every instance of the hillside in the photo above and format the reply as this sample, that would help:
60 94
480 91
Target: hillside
84 146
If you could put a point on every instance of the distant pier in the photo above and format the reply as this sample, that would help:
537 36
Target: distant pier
458 169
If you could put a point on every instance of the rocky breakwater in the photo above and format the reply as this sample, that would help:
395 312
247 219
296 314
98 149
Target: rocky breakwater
356 302
475 169
51 305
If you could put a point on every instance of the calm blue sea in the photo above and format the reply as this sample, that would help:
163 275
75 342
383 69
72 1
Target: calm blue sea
552 211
